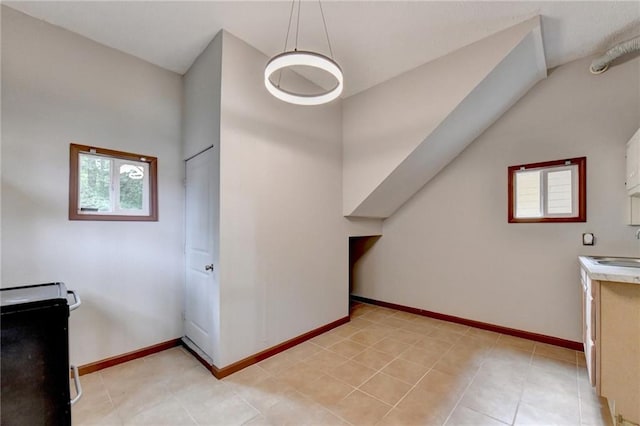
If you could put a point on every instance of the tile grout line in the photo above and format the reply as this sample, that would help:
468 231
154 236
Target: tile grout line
515 415
579 392
260 413
379 371
441 326
485 415
494 346
437 327
105 389
113 404
165 385
117 410
303 361
185 409
357 388
321 405
467 387
418 381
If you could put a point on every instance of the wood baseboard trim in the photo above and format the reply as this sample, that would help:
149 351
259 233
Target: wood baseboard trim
569 344
197 356
129 356
220 373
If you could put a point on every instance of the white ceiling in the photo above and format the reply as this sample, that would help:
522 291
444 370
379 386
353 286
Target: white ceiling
372 40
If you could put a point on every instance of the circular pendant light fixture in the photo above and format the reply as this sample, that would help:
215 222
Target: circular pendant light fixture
308 59
296 58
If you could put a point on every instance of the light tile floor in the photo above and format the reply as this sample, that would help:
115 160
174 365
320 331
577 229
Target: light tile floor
385 367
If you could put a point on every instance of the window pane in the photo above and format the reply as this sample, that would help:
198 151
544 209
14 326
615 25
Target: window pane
95 184
528 194
131 186
559 194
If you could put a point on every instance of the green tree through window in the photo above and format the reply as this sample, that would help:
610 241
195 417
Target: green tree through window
131 185
95 183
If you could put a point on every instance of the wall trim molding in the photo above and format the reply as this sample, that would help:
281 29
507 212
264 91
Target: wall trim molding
569 344
220 373
129 356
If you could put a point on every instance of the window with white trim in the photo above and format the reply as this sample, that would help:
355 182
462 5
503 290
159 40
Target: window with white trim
553 191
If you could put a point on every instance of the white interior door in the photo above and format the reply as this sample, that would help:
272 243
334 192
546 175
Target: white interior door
199 250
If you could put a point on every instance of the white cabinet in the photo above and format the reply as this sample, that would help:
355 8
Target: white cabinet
589 303
633 165
633 179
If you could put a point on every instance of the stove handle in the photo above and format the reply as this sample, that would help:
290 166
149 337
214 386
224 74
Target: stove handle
76 382
76 298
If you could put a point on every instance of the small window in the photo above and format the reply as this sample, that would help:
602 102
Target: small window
112 185
554 191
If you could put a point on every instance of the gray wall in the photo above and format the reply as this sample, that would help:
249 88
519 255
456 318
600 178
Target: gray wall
201 104
450 249
58 87
283 243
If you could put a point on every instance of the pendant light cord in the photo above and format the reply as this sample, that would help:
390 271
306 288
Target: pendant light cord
325 29
298 24
286 39
324 24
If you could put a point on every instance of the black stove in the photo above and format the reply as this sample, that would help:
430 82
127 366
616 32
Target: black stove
34 361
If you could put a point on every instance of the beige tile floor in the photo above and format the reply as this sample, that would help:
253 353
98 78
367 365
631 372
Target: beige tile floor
384 367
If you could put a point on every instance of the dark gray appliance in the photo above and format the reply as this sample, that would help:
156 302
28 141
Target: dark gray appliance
34 355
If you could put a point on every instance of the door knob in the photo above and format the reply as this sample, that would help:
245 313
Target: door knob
208 267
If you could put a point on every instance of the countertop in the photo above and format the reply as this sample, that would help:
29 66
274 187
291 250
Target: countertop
609 273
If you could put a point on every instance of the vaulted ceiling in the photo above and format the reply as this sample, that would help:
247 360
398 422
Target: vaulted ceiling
372 40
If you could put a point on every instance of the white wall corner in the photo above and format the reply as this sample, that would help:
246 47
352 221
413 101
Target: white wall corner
468 99
363 227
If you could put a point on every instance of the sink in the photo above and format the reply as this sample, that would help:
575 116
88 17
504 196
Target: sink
625 262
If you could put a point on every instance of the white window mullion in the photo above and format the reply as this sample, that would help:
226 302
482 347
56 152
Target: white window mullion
115 187
79 204
575 189
544 202
145 189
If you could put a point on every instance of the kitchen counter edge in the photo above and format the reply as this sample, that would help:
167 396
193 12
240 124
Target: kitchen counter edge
609 273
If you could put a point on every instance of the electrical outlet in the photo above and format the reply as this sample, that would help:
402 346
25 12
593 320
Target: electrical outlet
588 239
